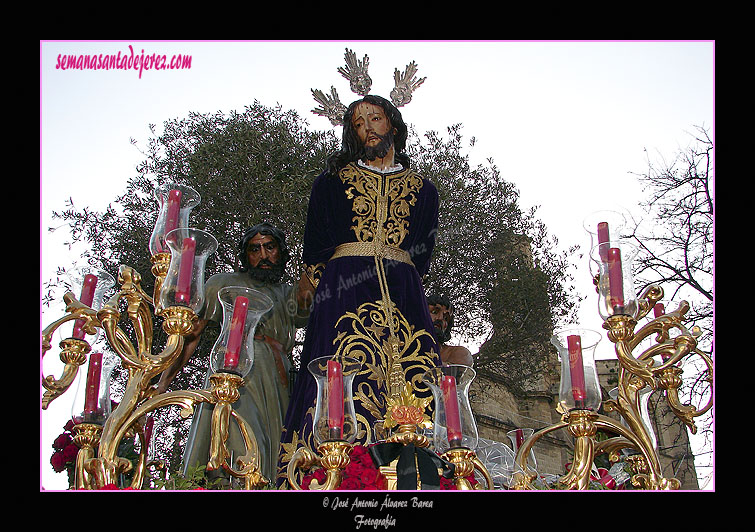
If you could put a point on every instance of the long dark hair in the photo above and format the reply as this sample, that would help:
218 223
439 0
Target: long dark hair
352 148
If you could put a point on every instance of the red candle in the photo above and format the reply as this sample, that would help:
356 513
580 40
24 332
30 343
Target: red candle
185 270
576 369
615 279
148 428
451 403
236 333
87 297
519 438
172 211
658 311
92 391
603 239
172 208
335 398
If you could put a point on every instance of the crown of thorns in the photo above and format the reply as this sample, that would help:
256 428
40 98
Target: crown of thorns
360 83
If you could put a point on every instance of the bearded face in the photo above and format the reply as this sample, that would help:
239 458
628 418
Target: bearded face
264 256
441 317
379 150
374 130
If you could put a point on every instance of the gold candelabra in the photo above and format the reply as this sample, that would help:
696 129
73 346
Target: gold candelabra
177 297
655 368
98 463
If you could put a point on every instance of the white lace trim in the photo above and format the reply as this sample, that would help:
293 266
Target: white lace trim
394 168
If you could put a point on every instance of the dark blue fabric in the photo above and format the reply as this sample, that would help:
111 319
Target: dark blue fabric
342 318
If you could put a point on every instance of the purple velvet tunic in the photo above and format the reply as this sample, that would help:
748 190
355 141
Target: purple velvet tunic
395 215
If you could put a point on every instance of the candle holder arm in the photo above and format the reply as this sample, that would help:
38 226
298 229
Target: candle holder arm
667 376
141 465
670 379
138 388
73 354
249 463
621 333
333 457
73 350
647 300
304 458
662 325
117 339
614 446
141 319
523 479
138 312
125 417
221 395
648 473
75 311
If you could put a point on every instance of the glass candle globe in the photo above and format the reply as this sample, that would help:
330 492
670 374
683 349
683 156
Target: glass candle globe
243 308
517 438
91 403
603 226
184 283
453 422
89 285
579 387
335 418
176 202
616 284
498 459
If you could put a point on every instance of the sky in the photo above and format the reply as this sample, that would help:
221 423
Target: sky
570 123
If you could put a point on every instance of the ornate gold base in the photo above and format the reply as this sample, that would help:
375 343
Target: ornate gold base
333 456
86 436
465 463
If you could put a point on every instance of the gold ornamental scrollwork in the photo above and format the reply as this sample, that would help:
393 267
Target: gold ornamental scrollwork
98 463
73 351
656 368
332 456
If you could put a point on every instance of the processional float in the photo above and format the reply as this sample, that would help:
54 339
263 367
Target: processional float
178 254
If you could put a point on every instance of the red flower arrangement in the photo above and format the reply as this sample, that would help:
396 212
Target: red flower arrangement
361 474
64 455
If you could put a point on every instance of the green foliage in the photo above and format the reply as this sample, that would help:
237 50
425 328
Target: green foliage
195 478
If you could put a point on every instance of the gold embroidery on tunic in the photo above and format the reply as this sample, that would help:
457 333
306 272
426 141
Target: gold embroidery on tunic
314 273
385 361
381 203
